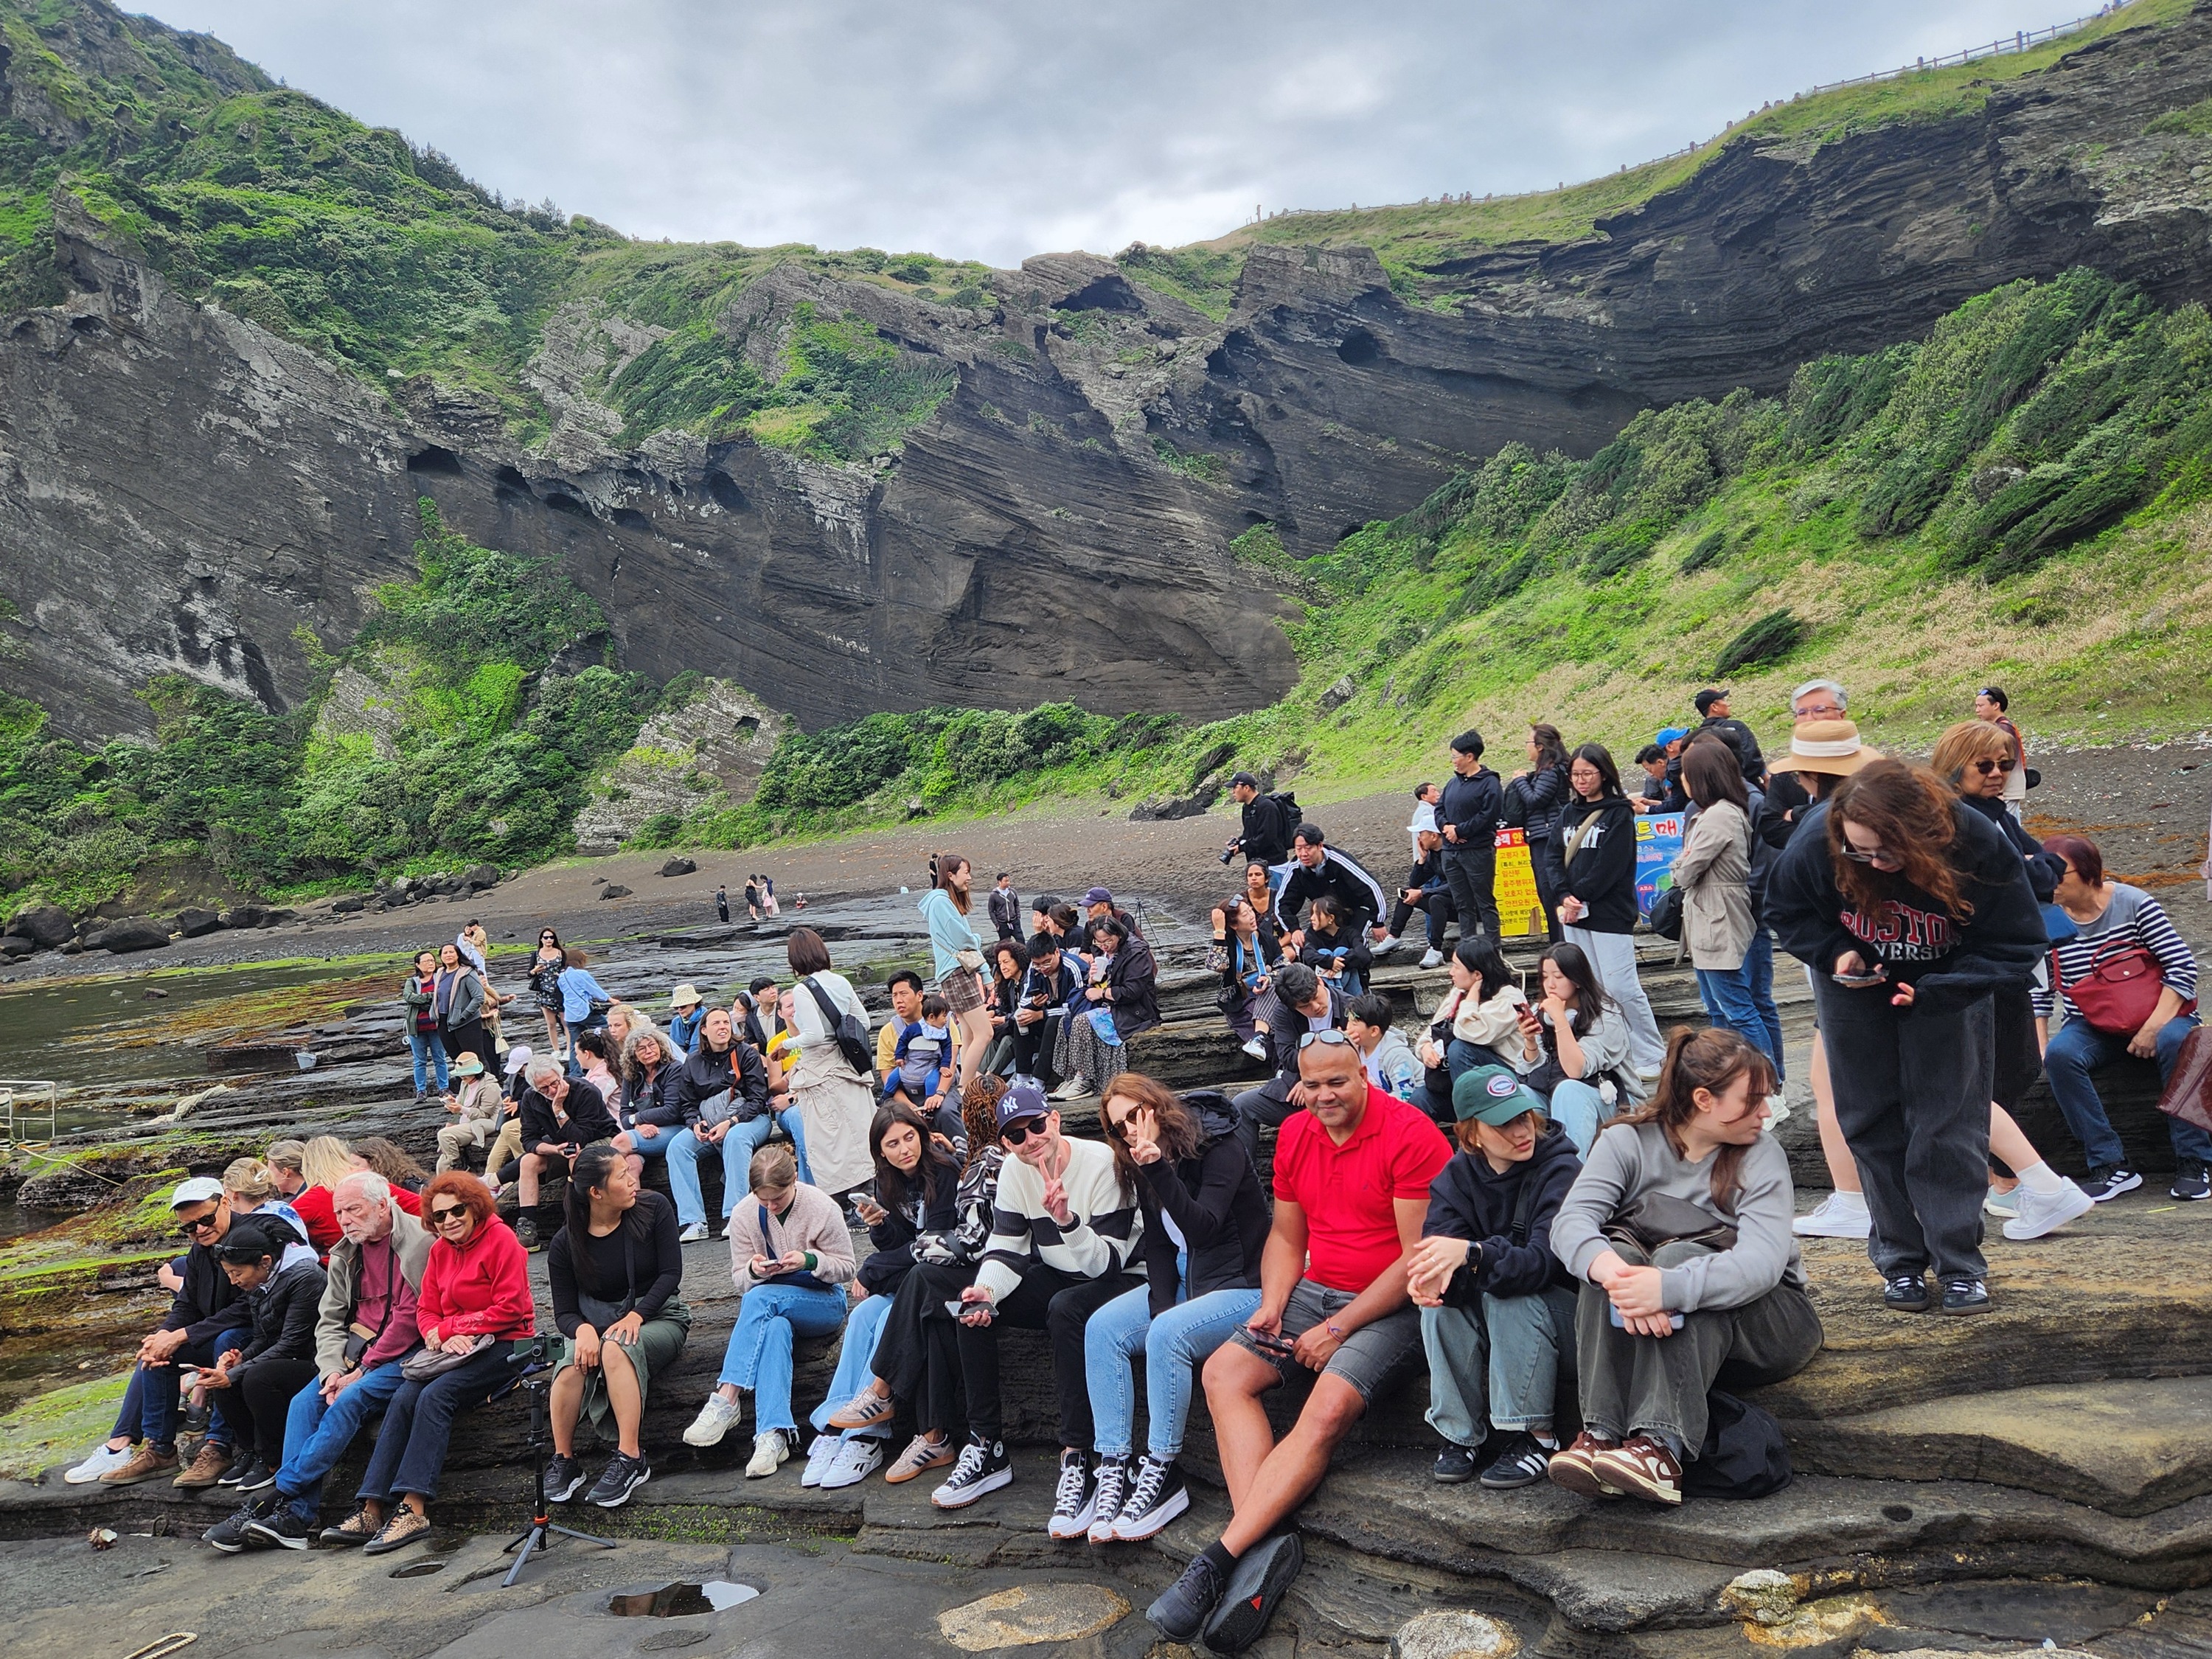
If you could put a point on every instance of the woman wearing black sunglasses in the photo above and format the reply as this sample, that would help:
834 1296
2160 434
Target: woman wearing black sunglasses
546 985
1912 910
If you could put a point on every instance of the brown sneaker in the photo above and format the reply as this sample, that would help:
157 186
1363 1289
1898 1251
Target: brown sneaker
209 1466
401 1528
1640 1466
353 1531
921 1453
145 1463
1575 1466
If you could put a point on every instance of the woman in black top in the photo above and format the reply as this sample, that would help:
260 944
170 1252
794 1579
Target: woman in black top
1596 833
259 1377
1132 988
1536 796
1205 1222
614 1270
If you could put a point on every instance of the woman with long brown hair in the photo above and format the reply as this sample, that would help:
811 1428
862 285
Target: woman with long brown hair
1205 1222
1913 912
958 954
1679 1228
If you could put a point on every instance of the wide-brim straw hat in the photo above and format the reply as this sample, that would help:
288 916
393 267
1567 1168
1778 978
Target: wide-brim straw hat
1830 746
683 996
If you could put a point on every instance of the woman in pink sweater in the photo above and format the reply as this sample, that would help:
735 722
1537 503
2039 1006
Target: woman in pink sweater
791 1254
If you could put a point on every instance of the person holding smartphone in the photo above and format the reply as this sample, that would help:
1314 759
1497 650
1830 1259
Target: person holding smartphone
560 1116
1913 911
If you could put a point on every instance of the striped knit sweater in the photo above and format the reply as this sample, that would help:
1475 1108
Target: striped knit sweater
1107 1225
2133 917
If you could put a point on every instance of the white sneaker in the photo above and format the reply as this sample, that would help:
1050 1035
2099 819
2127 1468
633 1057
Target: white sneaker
771 1448
1383 946
2043 1212
1839 1215
1256 1049
104 1458
716 1419
856 1459
819 1456
1074 1088
693 1234
1432 959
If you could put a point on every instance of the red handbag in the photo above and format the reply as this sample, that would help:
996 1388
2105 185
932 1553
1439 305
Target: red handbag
2119 991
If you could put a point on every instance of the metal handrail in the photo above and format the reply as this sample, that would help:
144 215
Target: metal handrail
22 1101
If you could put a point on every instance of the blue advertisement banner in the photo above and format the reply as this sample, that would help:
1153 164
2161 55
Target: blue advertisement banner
1658 843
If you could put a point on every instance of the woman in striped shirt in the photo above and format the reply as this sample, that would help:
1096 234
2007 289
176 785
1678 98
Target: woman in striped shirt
2106 912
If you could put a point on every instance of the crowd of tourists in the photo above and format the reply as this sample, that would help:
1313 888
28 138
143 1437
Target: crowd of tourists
1582 1229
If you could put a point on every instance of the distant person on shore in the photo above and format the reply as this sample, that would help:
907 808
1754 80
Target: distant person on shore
753 899
1006 908
419 997
584 1002
460 1007
722 901
545 967
1713 715
1991 704
958 956
768 895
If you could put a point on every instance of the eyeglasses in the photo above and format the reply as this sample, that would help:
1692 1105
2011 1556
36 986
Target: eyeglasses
1819 711
1331 1039
204 1223
1021 1129
446 1214
1986 766
1878 855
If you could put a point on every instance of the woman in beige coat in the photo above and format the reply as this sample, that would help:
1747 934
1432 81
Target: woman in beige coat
834 1102
1713 872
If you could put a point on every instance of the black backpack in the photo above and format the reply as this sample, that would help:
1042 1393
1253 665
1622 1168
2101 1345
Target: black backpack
1744 1454
850 1034
1293 814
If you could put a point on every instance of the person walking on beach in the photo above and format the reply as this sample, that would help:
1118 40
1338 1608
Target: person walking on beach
722 902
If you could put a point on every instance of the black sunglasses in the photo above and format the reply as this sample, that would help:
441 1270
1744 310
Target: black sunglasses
1331 1038
445 1213
1986 766
1021 1129
204 1223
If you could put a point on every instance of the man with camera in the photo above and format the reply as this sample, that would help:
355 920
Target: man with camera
364 1329
561 1116
722 1090
1266 826
1352 1192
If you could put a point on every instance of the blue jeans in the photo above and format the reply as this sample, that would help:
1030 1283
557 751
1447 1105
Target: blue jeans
1727 995
1758 974
160 1389
686 1149
1498 1366
418 1425
1175 1345
854 1373
2078 1048
1578 1108
759 1354
316 1436
425 1046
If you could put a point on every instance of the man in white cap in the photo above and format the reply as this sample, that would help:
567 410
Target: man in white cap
201 1322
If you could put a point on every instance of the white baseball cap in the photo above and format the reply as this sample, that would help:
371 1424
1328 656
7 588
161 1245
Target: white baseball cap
195 1189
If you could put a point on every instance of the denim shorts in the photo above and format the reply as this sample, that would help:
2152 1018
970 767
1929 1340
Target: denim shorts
1368 1359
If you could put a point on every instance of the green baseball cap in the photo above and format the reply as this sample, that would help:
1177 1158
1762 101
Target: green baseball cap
1494 1095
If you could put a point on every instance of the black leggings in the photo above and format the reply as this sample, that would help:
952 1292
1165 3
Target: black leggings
258 1404
919 1358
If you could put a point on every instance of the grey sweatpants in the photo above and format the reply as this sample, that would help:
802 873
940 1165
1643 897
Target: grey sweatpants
1657 1385
1913 1098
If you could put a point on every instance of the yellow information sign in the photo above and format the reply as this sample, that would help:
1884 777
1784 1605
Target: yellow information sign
1520 912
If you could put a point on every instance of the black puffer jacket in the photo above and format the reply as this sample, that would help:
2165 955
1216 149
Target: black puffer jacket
1533 802
1215 1201
284 1311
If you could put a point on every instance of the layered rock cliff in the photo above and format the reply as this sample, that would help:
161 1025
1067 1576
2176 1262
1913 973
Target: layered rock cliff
182 488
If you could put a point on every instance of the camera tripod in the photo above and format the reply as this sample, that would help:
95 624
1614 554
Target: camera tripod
538 1536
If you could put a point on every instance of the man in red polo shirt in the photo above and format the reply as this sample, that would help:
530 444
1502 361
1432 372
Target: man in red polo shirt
1351 1190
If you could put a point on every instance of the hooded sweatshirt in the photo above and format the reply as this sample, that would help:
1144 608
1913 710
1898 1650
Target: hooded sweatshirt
1601 869
1213 1199
1469 1199
1949 962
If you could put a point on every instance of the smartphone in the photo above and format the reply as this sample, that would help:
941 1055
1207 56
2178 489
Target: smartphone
1272 1342
1621 1324
956 1308
1860 981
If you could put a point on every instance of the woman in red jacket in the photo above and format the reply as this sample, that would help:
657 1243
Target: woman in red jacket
474 1305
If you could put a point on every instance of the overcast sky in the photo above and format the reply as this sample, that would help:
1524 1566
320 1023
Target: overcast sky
993 131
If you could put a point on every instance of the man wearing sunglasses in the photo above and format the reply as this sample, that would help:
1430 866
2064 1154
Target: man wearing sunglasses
1352 1173
1063 1236
205 1317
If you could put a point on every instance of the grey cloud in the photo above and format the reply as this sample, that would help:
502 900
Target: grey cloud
991 132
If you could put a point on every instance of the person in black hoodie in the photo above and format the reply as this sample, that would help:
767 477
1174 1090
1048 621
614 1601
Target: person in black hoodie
202 1315
277 1357
1206 1224
1913 911
1266 827
1497 1308
1468 815
1597 893
1535 797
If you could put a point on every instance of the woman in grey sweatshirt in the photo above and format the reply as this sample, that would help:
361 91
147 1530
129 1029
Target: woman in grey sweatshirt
1679 1228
